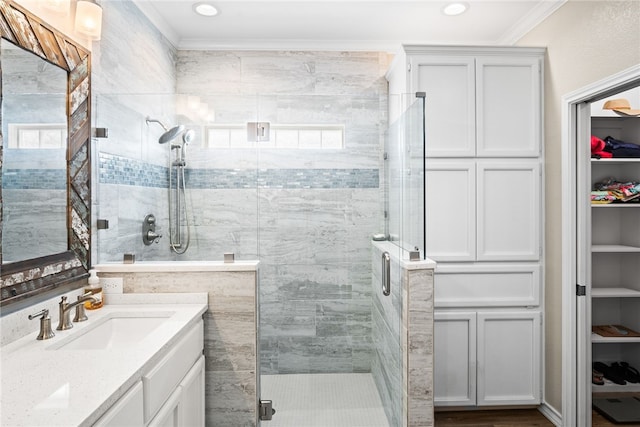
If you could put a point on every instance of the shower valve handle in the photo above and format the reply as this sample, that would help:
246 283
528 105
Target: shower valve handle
152 236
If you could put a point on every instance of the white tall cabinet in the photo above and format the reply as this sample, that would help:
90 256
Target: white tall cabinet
484 215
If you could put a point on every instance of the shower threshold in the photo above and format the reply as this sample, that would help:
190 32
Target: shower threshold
323 400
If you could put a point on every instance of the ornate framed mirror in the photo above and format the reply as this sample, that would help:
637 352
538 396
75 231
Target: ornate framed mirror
23 276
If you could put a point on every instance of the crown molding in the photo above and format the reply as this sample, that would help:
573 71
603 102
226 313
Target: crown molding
541 12
158 21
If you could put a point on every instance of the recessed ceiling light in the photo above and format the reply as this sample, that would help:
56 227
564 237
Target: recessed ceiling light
205 9
454 9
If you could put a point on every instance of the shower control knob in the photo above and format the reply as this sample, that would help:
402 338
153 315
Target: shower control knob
153 236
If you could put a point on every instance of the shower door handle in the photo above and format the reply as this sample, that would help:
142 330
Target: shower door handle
386 274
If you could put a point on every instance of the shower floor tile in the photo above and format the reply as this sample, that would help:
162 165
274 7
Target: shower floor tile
323 400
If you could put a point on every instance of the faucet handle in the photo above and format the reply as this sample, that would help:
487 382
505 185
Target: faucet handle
45 324
81 315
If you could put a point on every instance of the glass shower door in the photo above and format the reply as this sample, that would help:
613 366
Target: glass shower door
320 201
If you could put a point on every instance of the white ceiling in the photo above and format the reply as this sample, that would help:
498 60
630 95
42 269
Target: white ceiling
343 25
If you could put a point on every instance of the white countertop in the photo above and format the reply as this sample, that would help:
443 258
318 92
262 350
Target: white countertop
45 386
174 266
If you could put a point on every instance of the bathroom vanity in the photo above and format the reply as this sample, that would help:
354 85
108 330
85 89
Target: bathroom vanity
137 362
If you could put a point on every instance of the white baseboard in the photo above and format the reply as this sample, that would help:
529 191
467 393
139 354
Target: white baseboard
551 414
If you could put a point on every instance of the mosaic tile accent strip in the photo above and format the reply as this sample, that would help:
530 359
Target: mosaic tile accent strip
34 179
282 178
125 171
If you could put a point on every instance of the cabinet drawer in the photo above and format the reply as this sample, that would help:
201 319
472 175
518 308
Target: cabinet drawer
487 286
162 380
126 412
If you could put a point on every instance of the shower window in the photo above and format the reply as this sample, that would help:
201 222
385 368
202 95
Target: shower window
34 136
325 137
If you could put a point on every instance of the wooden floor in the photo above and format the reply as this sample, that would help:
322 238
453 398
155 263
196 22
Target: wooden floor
497 418
507 418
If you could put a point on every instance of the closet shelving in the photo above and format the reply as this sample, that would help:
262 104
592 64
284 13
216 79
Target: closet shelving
615 255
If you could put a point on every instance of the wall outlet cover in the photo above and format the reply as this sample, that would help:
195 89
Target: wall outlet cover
112 285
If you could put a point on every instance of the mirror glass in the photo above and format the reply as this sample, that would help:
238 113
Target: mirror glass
34 129
66 262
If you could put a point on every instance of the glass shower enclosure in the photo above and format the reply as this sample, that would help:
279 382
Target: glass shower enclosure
302 183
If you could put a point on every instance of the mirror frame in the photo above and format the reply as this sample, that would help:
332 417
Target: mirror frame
24 279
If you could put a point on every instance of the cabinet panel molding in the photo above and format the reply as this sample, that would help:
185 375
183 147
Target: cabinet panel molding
508 105
509 355
450 217
509 211
449 84
454 359
494 285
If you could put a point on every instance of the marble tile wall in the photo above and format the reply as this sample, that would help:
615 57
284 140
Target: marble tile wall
230 342
387 358
133 76
417 334
402 365
315 209
313 242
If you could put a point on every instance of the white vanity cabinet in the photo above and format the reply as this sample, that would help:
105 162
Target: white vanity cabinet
171 393
484 215
185 406
192 406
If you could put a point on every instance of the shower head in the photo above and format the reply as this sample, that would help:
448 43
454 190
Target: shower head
169 134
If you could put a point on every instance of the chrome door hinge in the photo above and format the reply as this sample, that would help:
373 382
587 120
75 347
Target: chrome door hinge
581 290
100 132
266 410
409 66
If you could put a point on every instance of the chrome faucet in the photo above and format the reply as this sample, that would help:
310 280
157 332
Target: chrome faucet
45 324
65 307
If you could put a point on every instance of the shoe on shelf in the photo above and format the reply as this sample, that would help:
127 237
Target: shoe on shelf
631 374
610 373
597 377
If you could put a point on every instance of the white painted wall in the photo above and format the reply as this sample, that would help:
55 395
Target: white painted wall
586 41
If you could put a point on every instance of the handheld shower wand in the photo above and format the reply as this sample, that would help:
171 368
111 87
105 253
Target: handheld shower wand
177 192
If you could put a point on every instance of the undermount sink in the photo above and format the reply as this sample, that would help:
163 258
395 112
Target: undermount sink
115 331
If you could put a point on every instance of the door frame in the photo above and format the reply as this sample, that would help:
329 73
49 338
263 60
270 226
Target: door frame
576 349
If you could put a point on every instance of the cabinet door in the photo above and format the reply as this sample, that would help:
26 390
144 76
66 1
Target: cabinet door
508 106
169 413
450 210
454 373
126 412
450 107
509 347
192 399
509 211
